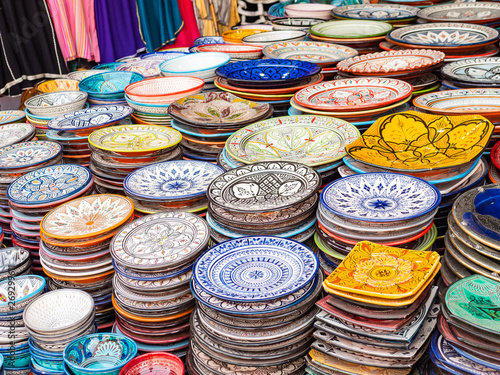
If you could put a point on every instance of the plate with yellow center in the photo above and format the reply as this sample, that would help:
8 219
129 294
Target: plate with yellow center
387 272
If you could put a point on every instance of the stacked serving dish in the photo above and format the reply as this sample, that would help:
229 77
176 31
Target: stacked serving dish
108 88
14 261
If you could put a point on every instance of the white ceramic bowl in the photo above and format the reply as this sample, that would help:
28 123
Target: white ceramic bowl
310 10
56 103
272 37
195 65
163 90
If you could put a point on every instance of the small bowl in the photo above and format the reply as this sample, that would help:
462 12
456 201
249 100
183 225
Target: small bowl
109 85
157 362
26 289
309 10
104 353
272 37
56 103
195 65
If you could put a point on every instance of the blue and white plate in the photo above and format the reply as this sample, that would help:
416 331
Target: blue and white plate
49 184
179 179
90 118
256 269
27 154
380 197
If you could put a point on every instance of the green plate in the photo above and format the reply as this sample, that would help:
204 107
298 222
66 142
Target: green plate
351 29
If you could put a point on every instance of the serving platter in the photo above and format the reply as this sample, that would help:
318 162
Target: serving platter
391 13
468 13
90 118
351 29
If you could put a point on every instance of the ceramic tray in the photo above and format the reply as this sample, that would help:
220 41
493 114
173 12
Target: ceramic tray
459 12
376 12
351 29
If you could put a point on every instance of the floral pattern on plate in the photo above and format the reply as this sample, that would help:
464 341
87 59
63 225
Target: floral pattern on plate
27 154
15 133
90 118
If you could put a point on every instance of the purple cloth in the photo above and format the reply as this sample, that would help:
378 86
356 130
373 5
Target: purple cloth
117 29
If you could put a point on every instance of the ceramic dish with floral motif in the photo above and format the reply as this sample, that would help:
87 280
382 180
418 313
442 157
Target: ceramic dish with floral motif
468 13
56 103
391 13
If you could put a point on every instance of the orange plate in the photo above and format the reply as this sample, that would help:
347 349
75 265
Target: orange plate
120 311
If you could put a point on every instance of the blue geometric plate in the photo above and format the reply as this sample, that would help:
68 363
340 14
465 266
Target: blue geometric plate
90 118
27 154
180 179
376 12
380 197
49 184
255 269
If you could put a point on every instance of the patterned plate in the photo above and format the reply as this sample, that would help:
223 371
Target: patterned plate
264 187
462 12
376 12
27 154
484 70
172 180
351 29
255 269
353 94
146 67
15 133
310 140
160 241
49 184
7 117
380 197
87 217
90 118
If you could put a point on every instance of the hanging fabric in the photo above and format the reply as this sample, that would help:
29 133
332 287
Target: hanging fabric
28 44
190 30
227 15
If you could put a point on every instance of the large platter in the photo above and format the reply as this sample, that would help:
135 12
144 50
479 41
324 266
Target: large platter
353 94
264 187
310 140
462 12
351 29
484 70
27 154
255 269
376 12
90 118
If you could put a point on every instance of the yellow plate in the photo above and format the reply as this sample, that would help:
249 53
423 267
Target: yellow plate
58 85
383 271
236 36
420 141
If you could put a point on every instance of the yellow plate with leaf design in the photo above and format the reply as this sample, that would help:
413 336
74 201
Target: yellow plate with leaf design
420 141
382 271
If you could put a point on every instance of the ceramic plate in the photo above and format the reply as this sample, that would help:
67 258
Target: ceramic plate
393 141
310 140
26 154
376 12
146 67
7 117
108 85
353 94
172 180
90 118
256 269
460 12
383 271
264 187
15 133
87 217
350 29
49 184
484 70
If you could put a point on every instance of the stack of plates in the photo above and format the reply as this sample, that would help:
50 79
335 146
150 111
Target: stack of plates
18 292
272 37
53 321
249 316
108 66
153 258
119 150
199 65
148 68
474 73
237 52
171 186
380 313
467 341
72 129
10 117
36 193
16 160
75 246
12 133
387 208
151 98
269 198
14 261
55 85
108 88
56 103
472 241
206 120
485 13
397 15
162 55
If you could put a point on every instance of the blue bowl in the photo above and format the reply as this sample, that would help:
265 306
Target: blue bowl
17 348
109 85
209 40
102 353
36 370
108 66
18 360
35 350
51 364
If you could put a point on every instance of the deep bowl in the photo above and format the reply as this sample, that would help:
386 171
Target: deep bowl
109 85
26 289
54 85
157 362
56 103
163 90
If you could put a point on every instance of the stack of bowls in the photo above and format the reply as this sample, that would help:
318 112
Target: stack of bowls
119 150
380 312
11 117
164 363
272 198
307 10
237 52
53 321
16 160
75 246
151 98
205 121
18 293
56 103
248 315
153 258
171 186
36 193
55 85
14 261
98 354
72 129
108 88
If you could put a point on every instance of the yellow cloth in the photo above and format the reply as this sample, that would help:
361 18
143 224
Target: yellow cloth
208 25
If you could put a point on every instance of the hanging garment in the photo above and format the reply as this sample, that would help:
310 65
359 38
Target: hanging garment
117 29
190 30
223 24
29 45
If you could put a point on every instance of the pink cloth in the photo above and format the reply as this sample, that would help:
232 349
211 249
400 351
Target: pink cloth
190 29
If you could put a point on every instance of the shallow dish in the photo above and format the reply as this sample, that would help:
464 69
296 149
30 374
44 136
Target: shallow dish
478 70
164 90
108 85
321 11
159 363
56 103
271 37
58 85
28 154
236 36
146 67
90 118
16 133
17 292
351 29
470 13
165 55
195 65
208 40
295 23
236 51
377 12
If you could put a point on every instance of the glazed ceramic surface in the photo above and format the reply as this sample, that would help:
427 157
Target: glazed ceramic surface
17 292
12 258
49 184
25 154
310 140
87 216
376 12
159 363
164 90
7 117
162 55
58 85
270 37
264 187
146 67
208 40
484 70
108 83
350 29
236 51
15 133
380 197
313 10
459 12
172 180
56 103
255 268
82 74
90 118
416 141
193 63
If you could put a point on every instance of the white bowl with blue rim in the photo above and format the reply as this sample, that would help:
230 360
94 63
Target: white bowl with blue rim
20 291
200 65
56 103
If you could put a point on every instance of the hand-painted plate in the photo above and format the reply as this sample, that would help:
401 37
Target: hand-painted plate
380 197
462 12
146 67
26 154
160 241
15 133
90 118
7 117
255 269
353 94
376 12
49 184
172 180
484 70
350 29
310 140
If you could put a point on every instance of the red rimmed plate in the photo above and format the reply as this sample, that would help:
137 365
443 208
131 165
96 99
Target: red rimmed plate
495 155
158 363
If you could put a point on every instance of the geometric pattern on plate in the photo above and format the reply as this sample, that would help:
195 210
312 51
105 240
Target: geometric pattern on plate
382 271
382 197
420 141
17 289
470 101
480 70
376 12
461 12
310 140
26 154
91 117
314 52
14 133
